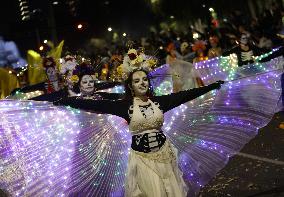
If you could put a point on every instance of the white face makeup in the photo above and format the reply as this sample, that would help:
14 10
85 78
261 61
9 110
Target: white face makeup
244 39
140 83
87 85
51 74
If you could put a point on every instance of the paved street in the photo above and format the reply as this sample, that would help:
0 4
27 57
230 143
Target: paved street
258 170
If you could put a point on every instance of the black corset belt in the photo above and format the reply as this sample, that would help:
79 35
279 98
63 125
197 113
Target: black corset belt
148 142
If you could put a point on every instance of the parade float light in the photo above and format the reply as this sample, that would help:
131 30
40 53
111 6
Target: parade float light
45 41
41 48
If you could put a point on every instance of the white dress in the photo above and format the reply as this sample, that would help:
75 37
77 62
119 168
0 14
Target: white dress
154 174
183 74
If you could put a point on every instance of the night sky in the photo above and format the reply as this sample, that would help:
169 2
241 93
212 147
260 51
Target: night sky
132 17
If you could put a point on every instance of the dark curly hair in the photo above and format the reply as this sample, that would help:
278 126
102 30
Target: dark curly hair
128 82
48 59
81 70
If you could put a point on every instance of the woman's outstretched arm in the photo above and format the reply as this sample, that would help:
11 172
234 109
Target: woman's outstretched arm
168 102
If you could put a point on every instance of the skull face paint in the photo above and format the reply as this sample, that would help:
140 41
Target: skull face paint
51 74
87 85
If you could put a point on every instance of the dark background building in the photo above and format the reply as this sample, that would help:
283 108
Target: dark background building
29 22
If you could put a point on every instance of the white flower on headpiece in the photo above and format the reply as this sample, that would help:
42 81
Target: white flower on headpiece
136 60
68 64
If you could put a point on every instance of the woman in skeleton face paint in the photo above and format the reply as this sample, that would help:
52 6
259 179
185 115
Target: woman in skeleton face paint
84 81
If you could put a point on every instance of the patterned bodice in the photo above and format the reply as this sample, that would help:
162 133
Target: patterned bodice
145 116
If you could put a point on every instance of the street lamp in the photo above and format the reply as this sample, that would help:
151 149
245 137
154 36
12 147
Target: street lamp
124 34
109 29
45 41
41 48
79 26
195 35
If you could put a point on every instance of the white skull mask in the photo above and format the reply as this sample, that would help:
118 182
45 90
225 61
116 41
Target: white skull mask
87 85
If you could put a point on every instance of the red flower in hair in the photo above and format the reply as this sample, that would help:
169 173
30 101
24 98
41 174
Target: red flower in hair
199 45
132 56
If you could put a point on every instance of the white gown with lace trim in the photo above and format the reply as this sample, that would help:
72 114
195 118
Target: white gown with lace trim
154 174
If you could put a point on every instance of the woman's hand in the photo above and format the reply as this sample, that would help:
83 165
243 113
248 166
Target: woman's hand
57 102
219 84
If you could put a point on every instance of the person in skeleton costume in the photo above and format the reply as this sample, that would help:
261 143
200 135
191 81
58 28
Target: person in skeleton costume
245 51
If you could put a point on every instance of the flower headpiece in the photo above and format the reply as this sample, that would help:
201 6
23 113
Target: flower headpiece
80 70
136 60
199 45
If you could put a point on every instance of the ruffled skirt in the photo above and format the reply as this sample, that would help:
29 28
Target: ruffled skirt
154 174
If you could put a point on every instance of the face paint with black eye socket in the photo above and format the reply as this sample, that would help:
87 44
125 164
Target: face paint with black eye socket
51 74
87 85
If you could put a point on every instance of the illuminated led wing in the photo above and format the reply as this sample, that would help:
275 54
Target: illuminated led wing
47 150
161 80
25 96
226 68
226 121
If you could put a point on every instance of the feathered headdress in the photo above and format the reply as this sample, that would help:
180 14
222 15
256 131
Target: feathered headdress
136 60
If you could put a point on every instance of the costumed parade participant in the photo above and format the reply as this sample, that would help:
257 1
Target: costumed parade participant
53 82
245 51
183 75
199 48
39 70
43 155
85 83
215 50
